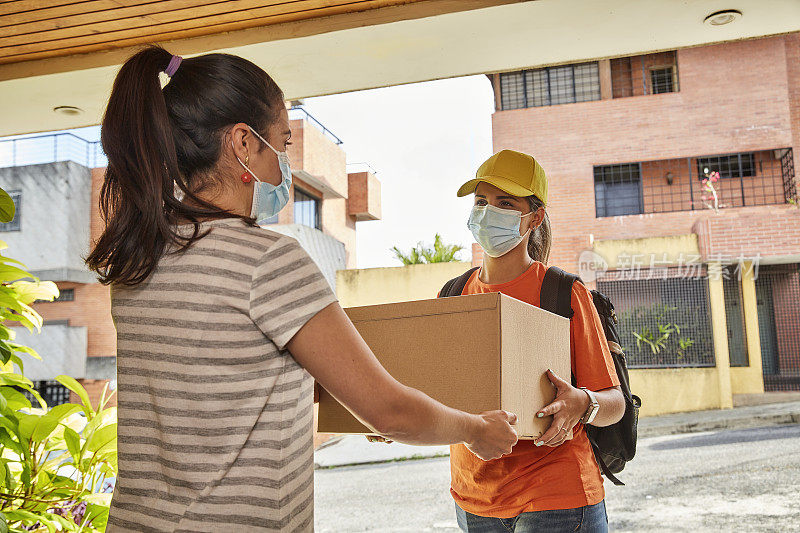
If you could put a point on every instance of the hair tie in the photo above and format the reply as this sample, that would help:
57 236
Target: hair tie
174 63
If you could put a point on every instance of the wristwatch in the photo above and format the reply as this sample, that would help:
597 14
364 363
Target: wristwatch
594 406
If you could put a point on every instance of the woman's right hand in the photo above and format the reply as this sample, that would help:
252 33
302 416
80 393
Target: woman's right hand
494 436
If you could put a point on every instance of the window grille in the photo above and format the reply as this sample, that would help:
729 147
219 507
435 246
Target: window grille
617 190
663 322
765 177
550 86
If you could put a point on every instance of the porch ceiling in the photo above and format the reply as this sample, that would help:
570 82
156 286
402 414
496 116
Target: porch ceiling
66 53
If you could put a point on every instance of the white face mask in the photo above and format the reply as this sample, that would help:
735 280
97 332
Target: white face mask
269 199
495 229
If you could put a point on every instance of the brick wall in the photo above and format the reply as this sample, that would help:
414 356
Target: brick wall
733 97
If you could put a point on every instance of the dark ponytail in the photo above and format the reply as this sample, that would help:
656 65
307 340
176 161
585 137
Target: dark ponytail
159 141
540 238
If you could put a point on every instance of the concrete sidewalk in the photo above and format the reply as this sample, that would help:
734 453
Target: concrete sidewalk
354 450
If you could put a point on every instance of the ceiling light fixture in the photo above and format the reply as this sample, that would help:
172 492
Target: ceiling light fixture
68 110
720 18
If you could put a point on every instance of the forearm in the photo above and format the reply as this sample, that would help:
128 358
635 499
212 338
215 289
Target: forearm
612 407
419 419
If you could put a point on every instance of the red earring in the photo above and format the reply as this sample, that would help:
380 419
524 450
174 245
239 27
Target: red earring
247 177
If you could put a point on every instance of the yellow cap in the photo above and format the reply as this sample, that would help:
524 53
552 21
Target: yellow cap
516 173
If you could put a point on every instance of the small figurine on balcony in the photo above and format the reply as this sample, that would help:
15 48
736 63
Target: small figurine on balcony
711 201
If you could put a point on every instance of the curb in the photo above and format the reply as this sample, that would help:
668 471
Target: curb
714 425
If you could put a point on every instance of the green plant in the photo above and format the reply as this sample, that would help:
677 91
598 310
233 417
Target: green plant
53 461
665 334
439 253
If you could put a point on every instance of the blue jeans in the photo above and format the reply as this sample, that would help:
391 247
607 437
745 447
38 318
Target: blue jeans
588 519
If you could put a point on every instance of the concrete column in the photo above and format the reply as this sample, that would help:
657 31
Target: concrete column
750 309
719 329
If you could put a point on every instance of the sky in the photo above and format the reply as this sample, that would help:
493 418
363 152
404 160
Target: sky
424 140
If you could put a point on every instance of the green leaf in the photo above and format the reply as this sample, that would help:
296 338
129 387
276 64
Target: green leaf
15 399
7 207
97 516
60 412
3 523
73 385
15 380
66 524
105 437
25 349
9 483
8 442
30 291
73 444
11 273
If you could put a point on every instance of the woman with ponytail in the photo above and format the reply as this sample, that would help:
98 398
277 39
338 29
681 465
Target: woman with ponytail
221 324
550 484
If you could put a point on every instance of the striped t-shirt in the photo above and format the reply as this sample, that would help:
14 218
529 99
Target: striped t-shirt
215 416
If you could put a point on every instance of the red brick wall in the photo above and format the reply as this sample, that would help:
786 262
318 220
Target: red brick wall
749 231
733 97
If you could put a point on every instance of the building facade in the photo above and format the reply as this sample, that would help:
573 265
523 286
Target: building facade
55 181
673 190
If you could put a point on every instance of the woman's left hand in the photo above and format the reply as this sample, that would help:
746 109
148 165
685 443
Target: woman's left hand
567 409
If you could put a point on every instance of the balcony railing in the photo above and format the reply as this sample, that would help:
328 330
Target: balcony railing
300 113
763 177
51 148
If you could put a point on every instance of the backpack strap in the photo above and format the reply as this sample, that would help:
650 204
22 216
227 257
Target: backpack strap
602 464
556 293
455 286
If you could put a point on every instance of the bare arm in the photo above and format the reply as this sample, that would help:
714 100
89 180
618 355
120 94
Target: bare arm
332 351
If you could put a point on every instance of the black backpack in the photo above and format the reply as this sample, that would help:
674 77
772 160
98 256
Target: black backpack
613 445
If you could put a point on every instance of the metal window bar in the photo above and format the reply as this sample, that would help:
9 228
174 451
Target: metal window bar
787 172
644 74
298 110
765 177
51 148
618 190
664 316
778 309
52 392
550 86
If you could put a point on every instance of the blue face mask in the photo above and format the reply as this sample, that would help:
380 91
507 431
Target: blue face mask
495 229
269 199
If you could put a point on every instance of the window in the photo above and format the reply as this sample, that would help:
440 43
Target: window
617 190
65 295
728 166
14 224
51 391
550 86
306 209
646 74
661 80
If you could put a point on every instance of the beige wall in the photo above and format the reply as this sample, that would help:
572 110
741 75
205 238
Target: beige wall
372 286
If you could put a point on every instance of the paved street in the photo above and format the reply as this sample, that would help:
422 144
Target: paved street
733 480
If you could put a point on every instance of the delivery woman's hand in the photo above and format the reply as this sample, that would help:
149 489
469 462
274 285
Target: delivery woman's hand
493 435
567 409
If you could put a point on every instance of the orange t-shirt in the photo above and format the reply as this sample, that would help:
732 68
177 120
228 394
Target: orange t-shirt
541 478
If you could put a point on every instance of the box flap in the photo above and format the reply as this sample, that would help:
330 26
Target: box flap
431 307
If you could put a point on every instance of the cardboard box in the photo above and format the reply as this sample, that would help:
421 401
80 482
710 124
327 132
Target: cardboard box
475 353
